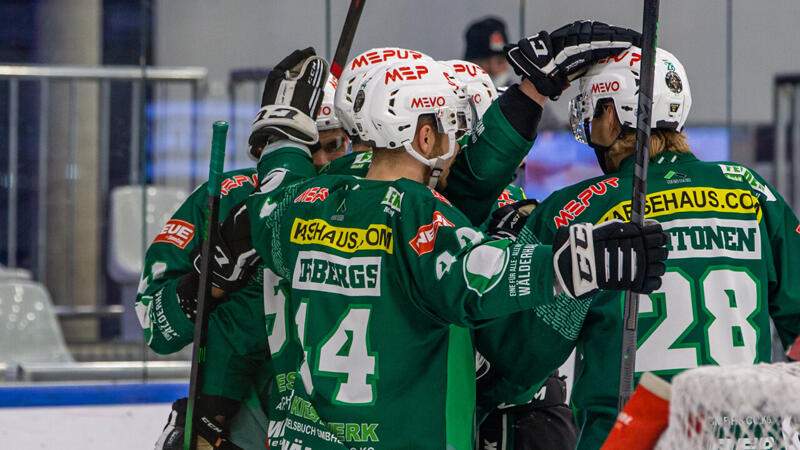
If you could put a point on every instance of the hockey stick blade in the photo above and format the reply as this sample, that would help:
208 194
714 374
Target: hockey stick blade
642 156
346 38
204 291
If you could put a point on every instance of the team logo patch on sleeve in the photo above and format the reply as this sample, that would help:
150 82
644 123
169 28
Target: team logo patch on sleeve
425 239
485 266
176 232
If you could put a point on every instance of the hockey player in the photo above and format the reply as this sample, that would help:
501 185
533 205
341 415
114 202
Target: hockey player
167 298
733 243
333 140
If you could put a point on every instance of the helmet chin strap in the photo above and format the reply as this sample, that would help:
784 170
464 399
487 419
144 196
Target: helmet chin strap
601 150
436 164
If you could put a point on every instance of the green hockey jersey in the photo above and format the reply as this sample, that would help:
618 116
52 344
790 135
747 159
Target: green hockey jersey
369 334
734 251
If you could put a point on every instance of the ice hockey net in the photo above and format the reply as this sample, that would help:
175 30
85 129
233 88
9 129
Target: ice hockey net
735 407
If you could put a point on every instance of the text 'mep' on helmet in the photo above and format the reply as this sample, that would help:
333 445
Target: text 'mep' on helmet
391 99
480 87
326 118
355 69
617 78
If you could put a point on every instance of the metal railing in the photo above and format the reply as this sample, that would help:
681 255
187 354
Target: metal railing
140 79
786 104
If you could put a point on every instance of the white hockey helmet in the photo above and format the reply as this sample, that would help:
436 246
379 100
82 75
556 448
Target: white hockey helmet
479 84
390 100
353 73
617 78
326 118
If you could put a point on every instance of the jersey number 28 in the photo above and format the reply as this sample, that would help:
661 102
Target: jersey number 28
730 296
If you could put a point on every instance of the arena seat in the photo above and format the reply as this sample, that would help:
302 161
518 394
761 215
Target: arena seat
29 331
127 243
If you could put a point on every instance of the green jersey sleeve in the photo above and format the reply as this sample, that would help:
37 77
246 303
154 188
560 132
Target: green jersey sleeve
282 163
783 234
166 327
472 277
486 165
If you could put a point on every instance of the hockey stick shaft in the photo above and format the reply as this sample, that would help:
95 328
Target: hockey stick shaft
346 38
638 201
204 292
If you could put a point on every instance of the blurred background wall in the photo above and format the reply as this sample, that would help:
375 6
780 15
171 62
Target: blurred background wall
220 35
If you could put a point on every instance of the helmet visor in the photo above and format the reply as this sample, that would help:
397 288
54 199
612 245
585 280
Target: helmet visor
577 120
449 119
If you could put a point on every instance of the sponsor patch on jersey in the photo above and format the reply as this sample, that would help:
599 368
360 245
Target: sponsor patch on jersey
312 195
741 173
673 177
575 207
425 239
504 199
363 159
691 199
349 240
712 238
393 201
236 181
439 196
318 271
797 229
176 232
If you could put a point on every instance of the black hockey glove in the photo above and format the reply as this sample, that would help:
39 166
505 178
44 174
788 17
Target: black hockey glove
507 221
292 96
552 60
204 422
234 260
612 256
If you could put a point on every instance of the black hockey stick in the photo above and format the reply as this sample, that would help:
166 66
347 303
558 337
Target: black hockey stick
204 292
638 202
346 38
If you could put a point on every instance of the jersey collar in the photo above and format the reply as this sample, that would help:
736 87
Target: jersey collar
665 158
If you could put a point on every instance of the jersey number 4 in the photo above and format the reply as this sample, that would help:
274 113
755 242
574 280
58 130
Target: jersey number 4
343 354
730 296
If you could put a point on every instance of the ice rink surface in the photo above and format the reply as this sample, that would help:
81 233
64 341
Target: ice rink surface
102 427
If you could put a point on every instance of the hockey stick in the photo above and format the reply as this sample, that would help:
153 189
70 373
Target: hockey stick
346 38
642 157
204 293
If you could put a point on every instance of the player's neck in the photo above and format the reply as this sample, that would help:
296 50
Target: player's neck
392 167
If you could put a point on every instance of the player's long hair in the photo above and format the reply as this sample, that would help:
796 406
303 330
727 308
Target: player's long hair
660 141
